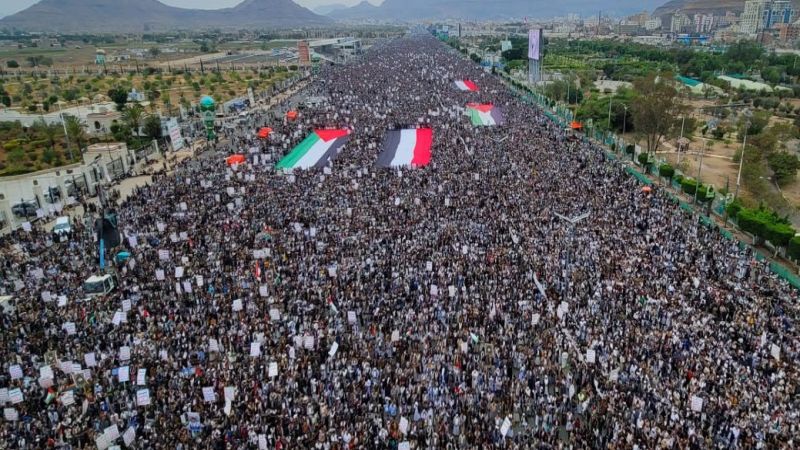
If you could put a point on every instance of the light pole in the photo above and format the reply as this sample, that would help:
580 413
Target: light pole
610 101
741 160
699 168
573 221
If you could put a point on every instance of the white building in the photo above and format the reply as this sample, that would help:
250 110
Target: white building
652 24
44 194
703 23
750 22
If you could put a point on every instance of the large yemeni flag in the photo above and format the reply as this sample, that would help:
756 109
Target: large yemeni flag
315 150
484 115
407 148
466 85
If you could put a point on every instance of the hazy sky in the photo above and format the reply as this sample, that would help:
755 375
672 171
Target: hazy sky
11 6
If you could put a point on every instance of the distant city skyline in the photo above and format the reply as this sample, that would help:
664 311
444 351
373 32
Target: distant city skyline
8 7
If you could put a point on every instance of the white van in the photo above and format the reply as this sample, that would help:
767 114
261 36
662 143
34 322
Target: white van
95 285
62 226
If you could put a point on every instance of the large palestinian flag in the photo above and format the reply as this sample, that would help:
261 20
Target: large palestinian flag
466 85
484 115
407 148
315 150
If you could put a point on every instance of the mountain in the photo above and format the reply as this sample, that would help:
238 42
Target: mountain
324 10
411 10
691 7
126 16
361 11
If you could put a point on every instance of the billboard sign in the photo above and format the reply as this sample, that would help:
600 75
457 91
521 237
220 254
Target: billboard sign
534 36
175 134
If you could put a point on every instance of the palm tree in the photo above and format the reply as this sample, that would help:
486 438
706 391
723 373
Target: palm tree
75 131
49 131
133 116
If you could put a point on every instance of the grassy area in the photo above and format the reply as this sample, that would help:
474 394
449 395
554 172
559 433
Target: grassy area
164 91
27 150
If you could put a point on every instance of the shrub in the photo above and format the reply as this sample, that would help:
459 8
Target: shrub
779 234
643 158
794 248
666 171
630 149
734 207
705 193
689 185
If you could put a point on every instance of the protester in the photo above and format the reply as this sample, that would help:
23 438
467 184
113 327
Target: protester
441 307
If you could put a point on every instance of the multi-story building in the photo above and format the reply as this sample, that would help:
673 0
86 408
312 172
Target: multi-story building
653 24
789 33
750 22
680 23
703 23
777 12
760 15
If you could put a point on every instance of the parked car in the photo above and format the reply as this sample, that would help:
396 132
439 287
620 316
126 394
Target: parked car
24 209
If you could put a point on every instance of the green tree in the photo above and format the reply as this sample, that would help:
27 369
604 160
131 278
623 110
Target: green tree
154 52
118 96
75 131
12 64
784 165
152 127
132 115
655 109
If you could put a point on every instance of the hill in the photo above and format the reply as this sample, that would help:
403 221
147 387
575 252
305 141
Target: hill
410 10
691 7
324 10
114 16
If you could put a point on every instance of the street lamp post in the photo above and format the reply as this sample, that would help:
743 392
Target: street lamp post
573 221
699 168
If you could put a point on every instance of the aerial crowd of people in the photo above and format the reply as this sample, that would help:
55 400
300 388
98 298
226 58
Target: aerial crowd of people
451 306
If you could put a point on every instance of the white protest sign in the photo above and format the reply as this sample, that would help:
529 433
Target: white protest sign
160 275
255 349
89 359
15 396
351 316
209 396
15 371
308 342
775 351
505 426
46 372
590 356
230 393
273 369
69 327
141 374
124 374
124 353
178 272
10 414
126 305
68 398
213 345
143 397
237 305
129 435
697 403
404 425
334 348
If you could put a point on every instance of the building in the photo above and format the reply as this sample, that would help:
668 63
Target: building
653 24
762 15
639 19
750 22
99 123
680 23
703 23
303 52
789 33
100 57
777 13
337 49
50 191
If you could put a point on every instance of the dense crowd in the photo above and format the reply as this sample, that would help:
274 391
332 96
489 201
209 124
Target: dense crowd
443 307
